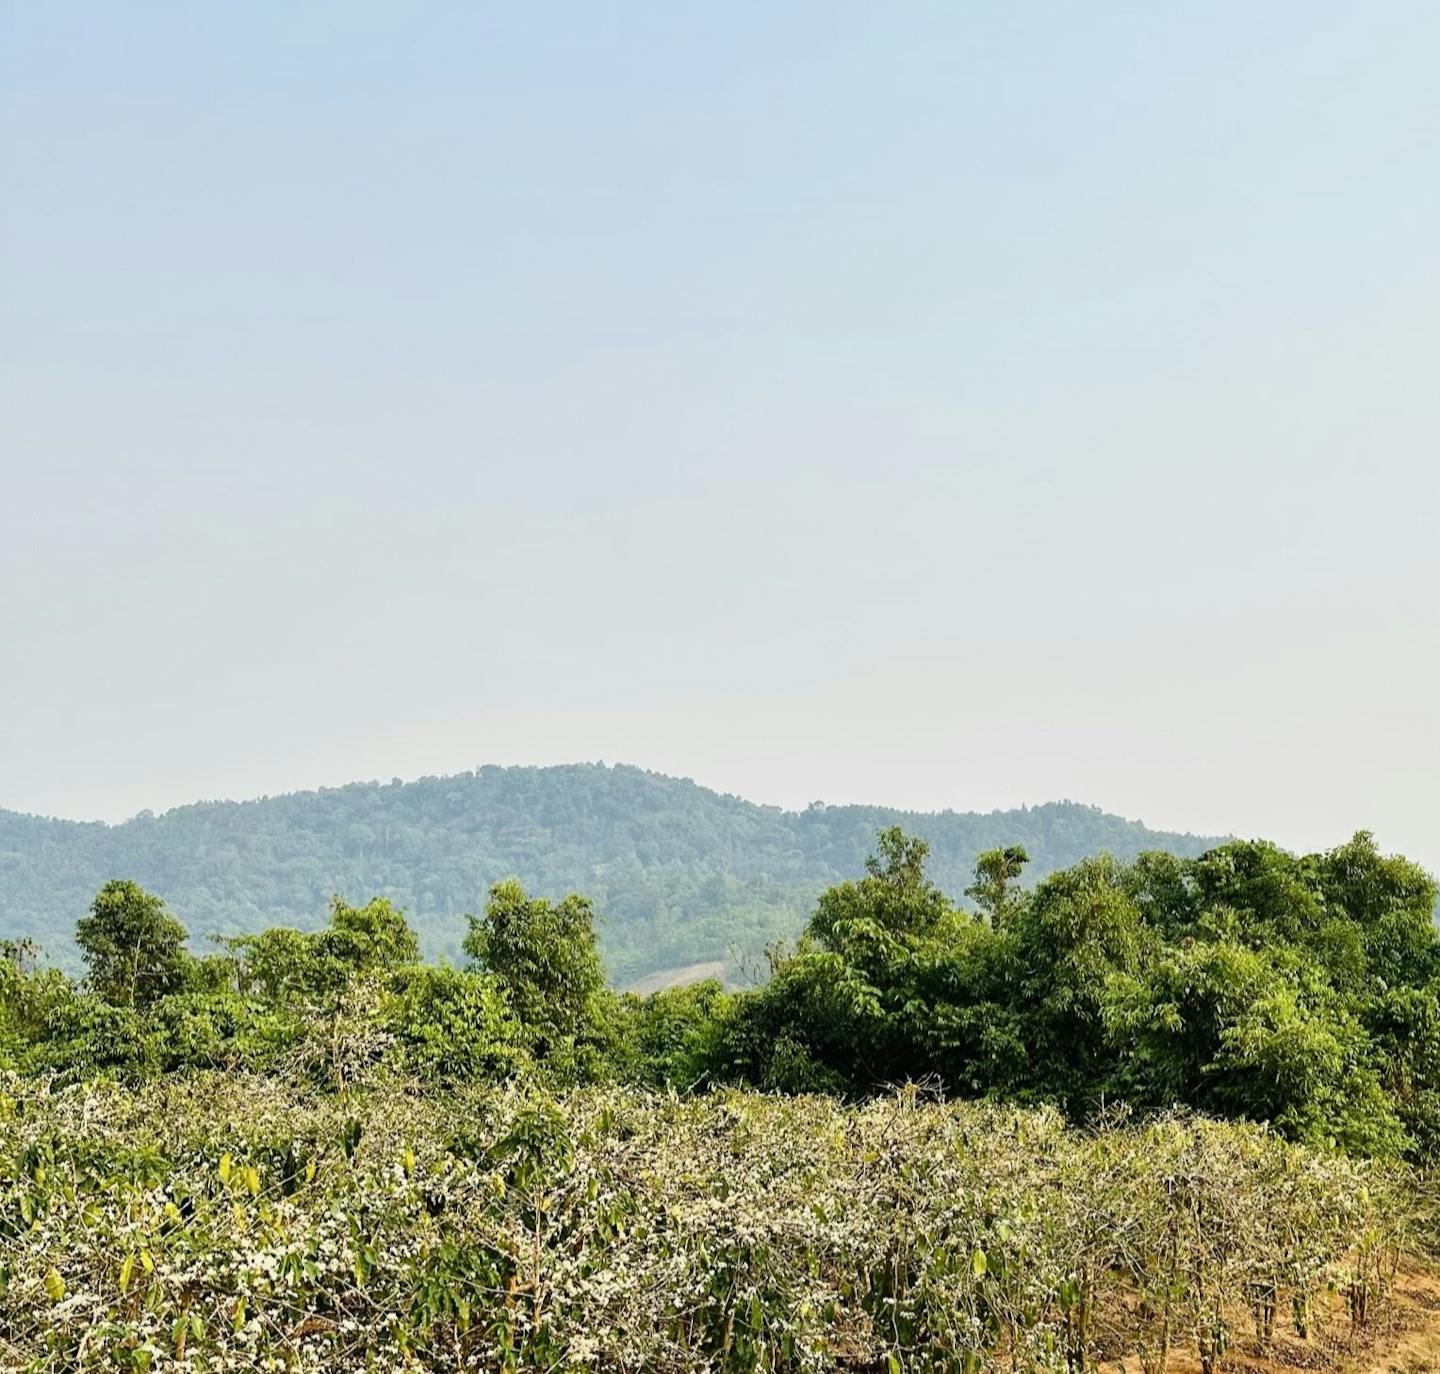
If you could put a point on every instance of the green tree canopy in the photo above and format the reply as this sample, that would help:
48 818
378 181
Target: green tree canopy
367 939
894 901
543 957
133 947
996 873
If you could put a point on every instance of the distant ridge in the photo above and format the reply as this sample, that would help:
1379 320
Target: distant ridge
680 874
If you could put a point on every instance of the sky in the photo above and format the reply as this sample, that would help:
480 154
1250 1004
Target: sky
932 404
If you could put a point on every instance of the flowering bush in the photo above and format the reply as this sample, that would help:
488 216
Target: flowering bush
224 1221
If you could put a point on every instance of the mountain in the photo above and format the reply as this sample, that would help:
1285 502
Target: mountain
679 874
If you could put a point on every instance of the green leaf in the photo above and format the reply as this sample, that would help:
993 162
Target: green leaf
127 1268
55 1285
350 1137
979 1264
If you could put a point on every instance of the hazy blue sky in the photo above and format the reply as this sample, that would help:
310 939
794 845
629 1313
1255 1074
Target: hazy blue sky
939 404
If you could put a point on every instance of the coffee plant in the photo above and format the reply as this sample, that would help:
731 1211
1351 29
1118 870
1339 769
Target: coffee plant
226 1221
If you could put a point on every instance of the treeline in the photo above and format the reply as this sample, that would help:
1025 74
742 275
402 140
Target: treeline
682 874
1246 982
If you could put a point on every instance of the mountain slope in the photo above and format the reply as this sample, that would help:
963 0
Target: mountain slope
678 873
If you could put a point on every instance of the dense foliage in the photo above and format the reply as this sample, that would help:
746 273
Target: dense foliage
1303 991
1248 982
311 1150
680 873
227 1222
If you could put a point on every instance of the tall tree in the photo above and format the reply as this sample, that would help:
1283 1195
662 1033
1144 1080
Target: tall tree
894 901
133 947
368 939
543 956
996 872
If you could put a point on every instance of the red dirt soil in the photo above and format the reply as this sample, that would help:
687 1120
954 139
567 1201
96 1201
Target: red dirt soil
1403 1339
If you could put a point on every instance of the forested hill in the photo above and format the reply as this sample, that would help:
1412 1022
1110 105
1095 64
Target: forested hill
678 873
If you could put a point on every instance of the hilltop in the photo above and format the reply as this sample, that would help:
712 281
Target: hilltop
680 874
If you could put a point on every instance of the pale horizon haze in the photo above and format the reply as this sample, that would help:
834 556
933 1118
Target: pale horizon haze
928 405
